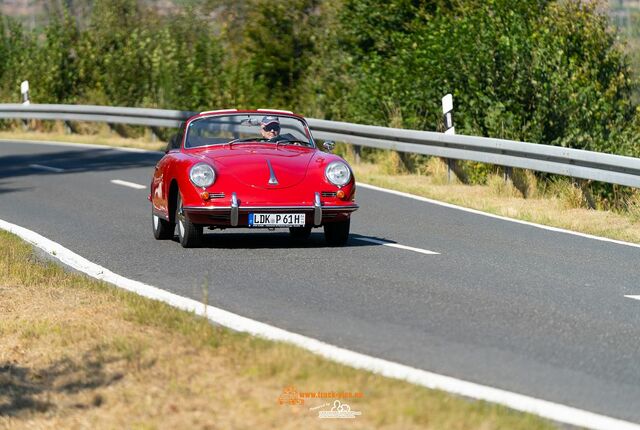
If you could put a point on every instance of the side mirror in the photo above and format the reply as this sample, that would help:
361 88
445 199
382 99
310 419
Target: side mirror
329 145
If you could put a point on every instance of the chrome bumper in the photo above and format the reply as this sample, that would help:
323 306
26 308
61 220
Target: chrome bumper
235 209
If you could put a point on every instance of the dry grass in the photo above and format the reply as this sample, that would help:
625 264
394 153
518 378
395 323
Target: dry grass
77 353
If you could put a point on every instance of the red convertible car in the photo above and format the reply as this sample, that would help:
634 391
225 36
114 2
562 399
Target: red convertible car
255 169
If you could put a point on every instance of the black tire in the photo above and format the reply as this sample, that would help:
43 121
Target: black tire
189 234
162 229
300 233
337 233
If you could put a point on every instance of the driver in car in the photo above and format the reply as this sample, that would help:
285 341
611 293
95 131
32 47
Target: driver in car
270 131
270 127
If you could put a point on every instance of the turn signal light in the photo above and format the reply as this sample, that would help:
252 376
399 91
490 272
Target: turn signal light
204 195
340 194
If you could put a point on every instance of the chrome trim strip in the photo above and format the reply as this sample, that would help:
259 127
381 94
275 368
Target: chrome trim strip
207 208
317 210
339 208
234 210
272 176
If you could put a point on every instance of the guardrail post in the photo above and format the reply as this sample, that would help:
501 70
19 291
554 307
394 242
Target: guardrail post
507 173
356 153
155 134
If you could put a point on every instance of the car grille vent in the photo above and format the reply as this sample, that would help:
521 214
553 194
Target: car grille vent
216 195
328 194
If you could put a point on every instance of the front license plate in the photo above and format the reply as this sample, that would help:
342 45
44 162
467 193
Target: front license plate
276 220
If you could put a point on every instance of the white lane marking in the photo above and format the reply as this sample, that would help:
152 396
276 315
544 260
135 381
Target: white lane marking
504 218
128 184
397 245
633 297
543 408
47 168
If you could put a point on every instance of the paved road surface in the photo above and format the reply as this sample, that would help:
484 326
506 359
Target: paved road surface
507 305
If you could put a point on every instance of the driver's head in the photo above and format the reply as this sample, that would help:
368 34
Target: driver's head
270 127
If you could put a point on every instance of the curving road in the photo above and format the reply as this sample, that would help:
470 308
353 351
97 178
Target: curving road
521 308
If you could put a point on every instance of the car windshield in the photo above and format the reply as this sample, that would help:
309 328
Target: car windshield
267 128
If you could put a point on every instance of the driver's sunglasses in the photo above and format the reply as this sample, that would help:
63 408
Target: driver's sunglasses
271 127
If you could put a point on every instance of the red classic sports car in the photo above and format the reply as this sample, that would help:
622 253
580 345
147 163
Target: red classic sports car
255 169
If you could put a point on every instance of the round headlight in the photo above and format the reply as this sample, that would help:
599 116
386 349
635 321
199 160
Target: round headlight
202 175
338 173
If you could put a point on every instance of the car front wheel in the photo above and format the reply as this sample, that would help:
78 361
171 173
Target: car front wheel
162 229
337 233
189 234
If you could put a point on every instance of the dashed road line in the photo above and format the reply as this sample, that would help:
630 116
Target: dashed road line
397 245
128 184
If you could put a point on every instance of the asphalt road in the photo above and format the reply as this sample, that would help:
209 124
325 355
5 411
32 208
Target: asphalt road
512 306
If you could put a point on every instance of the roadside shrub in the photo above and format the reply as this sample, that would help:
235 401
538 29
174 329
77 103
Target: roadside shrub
632 206
501 188
567 192
526 182
391 163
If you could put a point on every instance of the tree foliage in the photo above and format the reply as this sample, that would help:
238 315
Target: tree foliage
544 71
540 71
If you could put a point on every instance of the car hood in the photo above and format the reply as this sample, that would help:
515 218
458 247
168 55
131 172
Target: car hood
257 165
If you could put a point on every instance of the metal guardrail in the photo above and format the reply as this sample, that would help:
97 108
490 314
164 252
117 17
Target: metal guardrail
110 114
615 169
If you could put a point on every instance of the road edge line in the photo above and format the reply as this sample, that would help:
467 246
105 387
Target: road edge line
520 402
490 215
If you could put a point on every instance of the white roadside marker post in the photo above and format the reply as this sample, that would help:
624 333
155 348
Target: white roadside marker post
447 111
24 90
